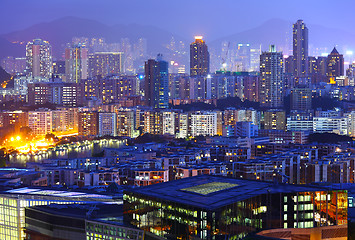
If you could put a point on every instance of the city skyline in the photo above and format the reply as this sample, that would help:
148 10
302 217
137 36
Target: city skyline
162 126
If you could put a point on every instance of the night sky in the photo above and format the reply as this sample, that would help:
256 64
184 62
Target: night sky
212 18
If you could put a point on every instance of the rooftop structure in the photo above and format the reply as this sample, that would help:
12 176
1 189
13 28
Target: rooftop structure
211 207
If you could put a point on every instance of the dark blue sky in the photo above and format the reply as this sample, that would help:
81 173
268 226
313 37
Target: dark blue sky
212 18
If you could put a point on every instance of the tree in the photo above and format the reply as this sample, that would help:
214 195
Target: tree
328 138
26 132
49 136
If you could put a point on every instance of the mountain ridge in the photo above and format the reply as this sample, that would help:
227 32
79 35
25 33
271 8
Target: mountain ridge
61 31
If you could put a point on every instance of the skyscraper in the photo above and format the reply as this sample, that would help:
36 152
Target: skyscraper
243 57
199 57
300 48
271 84
157 83
105 63
76 63
39 58
301 98
335 65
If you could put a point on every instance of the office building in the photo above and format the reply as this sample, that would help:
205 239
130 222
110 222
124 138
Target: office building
211 207
199 58
335 65
14 202
156 91
76 63
300 49
271 83
300 121
65 221
39 59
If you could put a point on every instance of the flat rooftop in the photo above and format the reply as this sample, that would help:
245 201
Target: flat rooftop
27 191
212 192
80 210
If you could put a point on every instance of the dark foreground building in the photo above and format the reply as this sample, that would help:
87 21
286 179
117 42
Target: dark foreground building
80 222
210 207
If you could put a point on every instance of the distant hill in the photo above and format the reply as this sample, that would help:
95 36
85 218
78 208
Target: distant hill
61 31
11 49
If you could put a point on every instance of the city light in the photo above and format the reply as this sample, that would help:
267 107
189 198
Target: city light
24 146
221 136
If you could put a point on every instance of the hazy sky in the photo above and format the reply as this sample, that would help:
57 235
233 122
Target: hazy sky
212 18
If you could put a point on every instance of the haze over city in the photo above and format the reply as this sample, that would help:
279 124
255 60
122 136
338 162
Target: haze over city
214 19
170 120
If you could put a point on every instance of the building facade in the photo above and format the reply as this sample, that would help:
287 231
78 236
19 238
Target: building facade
199 58
39 58
156 91
271 83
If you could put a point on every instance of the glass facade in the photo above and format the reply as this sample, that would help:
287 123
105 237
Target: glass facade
12 214
99 230
175 220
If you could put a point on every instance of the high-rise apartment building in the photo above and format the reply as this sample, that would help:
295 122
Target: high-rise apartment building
60 120
107 124
76 63
300 48
60 93
88 123
156 83
199 57
105 63
59 70
13 120
243 57
275 119
126 123
271 83
203 124
40 121
39 58
301 98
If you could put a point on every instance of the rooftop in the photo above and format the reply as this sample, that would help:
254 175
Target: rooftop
212 192
60 194
82 210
